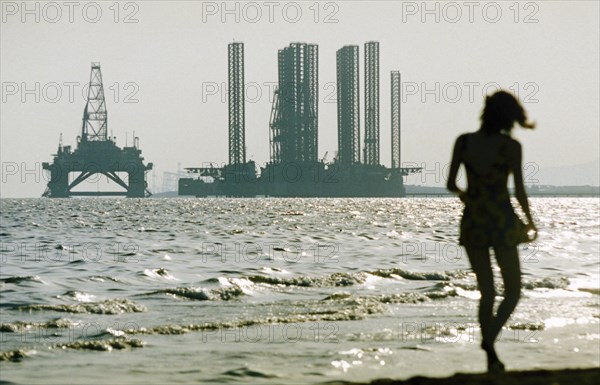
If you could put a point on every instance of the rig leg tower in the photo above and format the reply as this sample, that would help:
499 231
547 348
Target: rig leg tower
371 149
348 105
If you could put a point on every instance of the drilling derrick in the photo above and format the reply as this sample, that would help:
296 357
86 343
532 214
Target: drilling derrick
396 103
298 96
348 105
94 116
97 153
295 168
372 103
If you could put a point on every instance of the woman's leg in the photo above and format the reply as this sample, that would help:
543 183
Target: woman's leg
508 261
481 265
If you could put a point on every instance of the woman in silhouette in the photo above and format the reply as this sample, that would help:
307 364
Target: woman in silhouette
489 221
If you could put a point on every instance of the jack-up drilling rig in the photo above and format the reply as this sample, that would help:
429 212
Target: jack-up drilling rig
294 169
97 153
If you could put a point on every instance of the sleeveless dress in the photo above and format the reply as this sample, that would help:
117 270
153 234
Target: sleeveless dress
488 218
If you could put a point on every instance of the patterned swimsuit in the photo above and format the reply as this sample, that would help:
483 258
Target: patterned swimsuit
488 218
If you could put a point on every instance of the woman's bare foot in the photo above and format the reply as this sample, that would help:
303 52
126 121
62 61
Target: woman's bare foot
493 362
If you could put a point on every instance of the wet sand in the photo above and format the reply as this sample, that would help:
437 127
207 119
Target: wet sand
589 376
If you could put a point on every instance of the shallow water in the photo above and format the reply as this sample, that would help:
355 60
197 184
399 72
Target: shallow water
278 290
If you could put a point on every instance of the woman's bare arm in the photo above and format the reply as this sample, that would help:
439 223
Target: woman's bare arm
454 165
516 166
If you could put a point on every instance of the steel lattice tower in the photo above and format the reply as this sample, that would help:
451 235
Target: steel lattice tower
95 124
396 102
237 140
348 105
295 129
372 103
275 132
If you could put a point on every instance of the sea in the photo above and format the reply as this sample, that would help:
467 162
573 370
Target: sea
279 291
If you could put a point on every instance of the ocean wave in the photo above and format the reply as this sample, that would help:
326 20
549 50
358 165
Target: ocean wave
246 372
101 278
158 273
77 296
427 276
340 306
527 326
234 288
119 343
109 306
349 279
17 326
15 355
547 283
202 294
360 310
532 284
403 297
334 279
19 279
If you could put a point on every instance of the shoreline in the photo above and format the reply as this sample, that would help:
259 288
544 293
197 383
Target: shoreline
584 376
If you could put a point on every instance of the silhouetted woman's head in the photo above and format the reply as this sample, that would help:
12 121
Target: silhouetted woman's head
500 113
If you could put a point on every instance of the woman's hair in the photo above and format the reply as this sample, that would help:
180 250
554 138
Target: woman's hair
500 113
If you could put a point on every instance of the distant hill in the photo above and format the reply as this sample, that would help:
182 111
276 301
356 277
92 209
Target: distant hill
573 175
579 179
532 190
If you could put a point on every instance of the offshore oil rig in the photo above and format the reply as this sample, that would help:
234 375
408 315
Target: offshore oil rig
294 169
97 153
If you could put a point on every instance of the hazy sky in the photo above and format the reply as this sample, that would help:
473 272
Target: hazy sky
164 65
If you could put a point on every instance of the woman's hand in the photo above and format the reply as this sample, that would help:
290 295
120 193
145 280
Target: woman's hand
532 231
